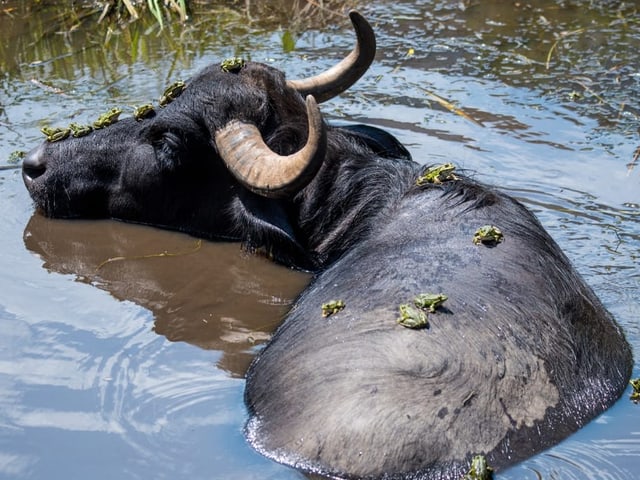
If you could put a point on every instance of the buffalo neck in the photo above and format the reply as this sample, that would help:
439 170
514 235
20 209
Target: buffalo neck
350 194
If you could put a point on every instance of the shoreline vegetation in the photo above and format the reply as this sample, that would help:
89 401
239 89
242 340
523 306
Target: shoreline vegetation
182 9
158 9
113 13
51 34
567 53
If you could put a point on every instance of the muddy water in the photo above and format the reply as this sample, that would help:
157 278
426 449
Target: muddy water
122 348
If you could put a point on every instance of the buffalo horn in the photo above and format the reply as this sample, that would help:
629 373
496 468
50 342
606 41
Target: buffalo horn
263 171
340 77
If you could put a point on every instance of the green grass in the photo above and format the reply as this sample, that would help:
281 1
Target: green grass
160 10
62 36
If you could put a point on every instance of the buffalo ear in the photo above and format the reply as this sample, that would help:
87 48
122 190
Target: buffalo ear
381 142
267 227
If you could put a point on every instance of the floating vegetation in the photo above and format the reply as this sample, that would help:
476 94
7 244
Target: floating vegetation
198 245
634 161
331 307
452 108
488 235
555 44
16 157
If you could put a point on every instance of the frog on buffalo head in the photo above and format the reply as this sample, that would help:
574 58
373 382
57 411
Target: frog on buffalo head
189 166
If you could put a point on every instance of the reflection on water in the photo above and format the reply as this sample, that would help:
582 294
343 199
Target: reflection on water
89 388
116 407
211 295
131 368
594 453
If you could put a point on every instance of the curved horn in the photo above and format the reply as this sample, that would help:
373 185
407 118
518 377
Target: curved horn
263 171
340 77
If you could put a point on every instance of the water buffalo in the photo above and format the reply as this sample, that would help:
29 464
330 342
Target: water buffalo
387 380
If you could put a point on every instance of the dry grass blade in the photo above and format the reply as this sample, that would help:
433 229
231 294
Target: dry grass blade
47 87
131 9
180 7
634 161
301 14
150 255
557 42
595 95
452 108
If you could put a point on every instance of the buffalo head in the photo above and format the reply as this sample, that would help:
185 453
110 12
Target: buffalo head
204 162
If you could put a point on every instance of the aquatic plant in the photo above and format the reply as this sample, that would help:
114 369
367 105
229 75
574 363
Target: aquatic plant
158 9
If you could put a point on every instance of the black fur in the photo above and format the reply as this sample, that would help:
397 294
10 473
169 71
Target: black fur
521 354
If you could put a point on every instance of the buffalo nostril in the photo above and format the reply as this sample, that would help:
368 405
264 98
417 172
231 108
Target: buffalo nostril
33 165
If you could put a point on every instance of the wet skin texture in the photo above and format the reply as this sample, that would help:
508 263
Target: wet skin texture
520 355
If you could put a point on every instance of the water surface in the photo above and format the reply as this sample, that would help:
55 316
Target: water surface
123 347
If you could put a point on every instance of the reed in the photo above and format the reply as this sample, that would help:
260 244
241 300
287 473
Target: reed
160 10
299 11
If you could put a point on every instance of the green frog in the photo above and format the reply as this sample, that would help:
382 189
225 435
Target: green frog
16 156
334 306
78 130
233 64
480 469
412 317
108 118
488 235
438 174
143 111
55 134
635 395
172 92
429 301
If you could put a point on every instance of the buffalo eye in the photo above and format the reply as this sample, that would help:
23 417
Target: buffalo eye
171 140
170 149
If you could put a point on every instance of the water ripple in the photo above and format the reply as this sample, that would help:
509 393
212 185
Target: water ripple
596 459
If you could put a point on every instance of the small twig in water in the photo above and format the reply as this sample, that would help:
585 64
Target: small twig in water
561 37
588 89
151 255
46 87
452 108
634 161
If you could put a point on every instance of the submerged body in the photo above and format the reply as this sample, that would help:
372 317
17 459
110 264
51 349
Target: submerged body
521 354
